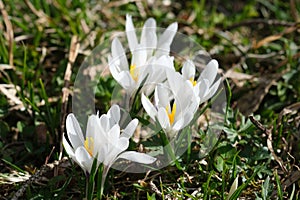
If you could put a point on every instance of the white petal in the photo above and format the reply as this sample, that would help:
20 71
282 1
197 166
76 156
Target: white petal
130 32
162 96
165 40
163 118
130 128
125 80
95 132
122 144
74 131
137 157
115 149
210 71
84 159
148 37
119 53
114 115
68 148
165 61
188 70
101 155
163 49
183 122
204 89
197 89
104 123
194 105
114 70
156 72
148 106
114 134
139 57
100 145
212 90
92 126
175 80
184 96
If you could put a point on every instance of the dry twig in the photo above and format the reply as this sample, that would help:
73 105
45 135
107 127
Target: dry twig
43 18
272 38
269 141
74 48
10 33
38 176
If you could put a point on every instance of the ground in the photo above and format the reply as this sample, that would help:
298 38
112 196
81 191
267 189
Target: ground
43 44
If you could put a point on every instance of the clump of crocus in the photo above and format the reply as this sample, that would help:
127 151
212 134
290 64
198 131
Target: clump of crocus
103 142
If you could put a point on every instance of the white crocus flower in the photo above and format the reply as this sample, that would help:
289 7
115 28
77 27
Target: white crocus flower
147 55
103 141
147 72
174 104
205 86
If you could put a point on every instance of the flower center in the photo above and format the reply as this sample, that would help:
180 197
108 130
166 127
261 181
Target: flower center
192 81
89 145
171 114
133 72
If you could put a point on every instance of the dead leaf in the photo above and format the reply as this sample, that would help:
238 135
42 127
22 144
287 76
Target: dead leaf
272 38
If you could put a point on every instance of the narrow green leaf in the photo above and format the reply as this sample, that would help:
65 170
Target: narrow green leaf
265 188
13 166
279 189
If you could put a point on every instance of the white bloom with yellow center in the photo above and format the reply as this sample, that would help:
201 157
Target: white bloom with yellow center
147 55
205 86
174 104
103 140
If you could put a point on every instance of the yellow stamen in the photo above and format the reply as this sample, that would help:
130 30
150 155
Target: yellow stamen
133 72
192 81
89 145
172 114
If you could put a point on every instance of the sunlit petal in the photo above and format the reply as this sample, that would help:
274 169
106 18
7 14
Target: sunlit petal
162 95
130 33
119 53
210 72
139 56
165 40
113 134
188 70
148 106
137 157
74 131
84 159
92 126
148 37
114 115
163 118
68 148
116 148
212 90
130 128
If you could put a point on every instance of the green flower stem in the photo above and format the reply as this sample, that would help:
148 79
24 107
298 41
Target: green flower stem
86 187
99 182
90 184
89 187
103 175
168 149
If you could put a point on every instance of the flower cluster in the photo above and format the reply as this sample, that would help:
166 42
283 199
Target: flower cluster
169 97
103 140
177 96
